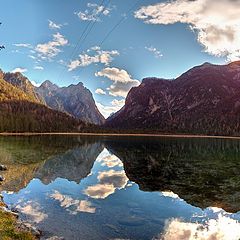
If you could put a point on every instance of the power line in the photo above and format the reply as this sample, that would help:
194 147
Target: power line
85 34
94 23
118 23
87 31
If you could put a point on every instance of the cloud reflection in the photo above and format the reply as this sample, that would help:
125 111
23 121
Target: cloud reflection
109 181
170 194
109 160
222 228
33 210
73 205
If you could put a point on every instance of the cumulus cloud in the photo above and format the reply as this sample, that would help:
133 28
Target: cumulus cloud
19 69
155 51
100 91
214 229
122 81
52 48
115 106
109 181
97 56
73 206
93 12
53 25
216 22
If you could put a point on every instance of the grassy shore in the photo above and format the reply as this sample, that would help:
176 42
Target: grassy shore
9 229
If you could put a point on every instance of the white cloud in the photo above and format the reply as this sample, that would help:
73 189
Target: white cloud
53 25
109 181
122 81
216 22
98 56
115 106
32 57
214 229
100 91
118 103
35 83
155 51
93 12
24 45
19 69
52 48
38 68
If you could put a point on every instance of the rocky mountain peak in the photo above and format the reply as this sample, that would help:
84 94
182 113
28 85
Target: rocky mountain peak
49 85
75 100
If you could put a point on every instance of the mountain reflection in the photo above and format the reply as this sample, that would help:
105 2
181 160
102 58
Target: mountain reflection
74 165
46 158
203 172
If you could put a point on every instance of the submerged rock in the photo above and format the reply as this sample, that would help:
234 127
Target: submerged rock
2 178
27 227
3 168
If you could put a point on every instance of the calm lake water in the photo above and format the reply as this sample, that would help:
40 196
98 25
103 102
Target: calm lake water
124 188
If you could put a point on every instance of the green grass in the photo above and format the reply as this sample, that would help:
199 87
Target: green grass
8 229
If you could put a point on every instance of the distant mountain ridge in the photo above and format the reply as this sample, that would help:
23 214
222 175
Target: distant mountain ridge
22 109
75 100
204 100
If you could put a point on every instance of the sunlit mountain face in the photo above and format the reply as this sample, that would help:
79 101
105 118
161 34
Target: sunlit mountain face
124 188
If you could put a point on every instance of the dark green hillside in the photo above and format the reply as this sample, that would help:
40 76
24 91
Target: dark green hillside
25 116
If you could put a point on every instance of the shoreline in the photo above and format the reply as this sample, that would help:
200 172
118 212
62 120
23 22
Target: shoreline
122 135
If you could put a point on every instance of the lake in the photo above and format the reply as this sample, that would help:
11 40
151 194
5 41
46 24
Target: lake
78 187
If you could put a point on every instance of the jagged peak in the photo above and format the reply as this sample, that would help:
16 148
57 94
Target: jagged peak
48 84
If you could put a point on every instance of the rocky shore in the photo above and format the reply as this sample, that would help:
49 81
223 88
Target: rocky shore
11 226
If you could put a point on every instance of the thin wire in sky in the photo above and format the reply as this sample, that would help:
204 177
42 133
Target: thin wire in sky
118 23
84 36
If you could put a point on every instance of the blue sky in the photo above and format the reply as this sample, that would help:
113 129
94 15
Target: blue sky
154 38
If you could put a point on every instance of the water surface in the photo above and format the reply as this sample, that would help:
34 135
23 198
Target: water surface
124 187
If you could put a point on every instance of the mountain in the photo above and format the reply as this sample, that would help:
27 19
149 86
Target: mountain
75 100
22 109
21 82
204 100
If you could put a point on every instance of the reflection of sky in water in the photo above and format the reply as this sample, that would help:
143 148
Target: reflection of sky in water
106 205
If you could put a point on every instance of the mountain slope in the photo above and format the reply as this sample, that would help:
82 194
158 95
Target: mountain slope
204 100
21 82
75 100
9 92
21 111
